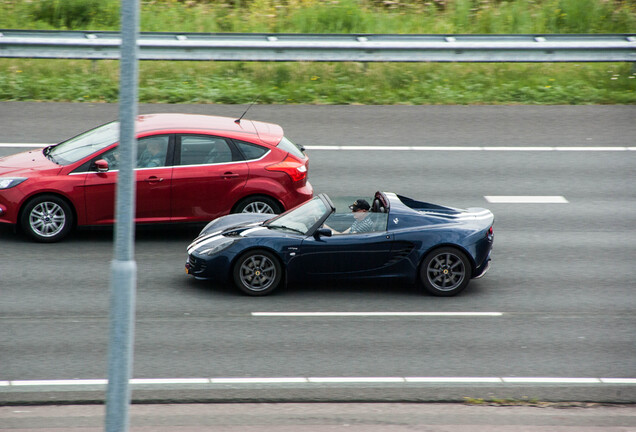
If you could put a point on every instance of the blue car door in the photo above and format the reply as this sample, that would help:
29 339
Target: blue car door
346 253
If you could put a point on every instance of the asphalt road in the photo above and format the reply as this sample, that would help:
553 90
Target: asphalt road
562 274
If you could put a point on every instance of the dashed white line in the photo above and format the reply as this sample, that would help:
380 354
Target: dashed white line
292 380
20 145
153 381
522 149
19 383
594 149
618 380
353 380
526 199
547 380
376 314
453 380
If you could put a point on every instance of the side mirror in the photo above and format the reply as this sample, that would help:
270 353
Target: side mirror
323 232
101 165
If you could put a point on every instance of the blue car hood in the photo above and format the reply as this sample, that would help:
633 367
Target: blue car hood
234 221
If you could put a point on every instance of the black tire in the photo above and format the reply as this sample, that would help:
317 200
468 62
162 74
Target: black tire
257 273
445 272
258 204
47 218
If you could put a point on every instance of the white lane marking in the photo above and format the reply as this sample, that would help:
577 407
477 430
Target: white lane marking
58 382
550 380
618 380
420 148
526 199
355 379
521 148
595 149
453 379
291 380
19 145
365 314
152 381
327 380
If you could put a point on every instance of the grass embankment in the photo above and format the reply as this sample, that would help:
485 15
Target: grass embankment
328 83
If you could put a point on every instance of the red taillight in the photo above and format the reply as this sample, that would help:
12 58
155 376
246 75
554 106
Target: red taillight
490 231
290 166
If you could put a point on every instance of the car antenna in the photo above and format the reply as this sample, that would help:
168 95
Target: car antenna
238 120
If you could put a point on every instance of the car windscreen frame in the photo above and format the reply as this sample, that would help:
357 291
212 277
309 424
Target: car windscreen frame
329 209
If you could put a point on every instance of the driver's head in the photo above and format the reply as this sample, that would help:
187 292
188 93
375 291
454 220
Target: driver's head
359 204
154 147
360 208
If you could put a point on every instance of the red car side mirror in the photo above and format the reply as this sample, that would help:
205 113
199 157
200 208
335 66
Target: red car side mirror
101 165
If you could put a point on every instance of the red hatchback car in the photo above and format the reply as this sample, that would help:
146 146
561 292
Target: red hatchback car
190 168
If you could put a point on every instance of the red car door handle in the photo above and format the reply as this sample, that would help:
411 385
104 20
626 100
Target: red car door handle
230 175
153 179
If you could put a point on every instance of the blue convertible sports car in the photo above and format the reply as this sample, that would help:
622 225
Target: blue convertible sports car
440 247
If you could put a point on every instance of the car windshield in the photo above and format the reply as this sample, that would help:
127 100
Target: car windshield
301 219
84 145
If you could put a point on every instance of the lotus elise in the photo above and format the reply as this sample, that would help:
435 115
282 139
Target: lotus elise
441 248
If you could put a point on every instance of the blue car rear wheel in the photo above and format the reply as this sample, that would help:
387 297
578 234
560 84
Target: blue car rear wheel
445 272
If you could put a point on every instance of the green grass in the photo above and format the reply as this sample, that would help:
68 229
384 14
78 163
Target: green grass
327 83
332 16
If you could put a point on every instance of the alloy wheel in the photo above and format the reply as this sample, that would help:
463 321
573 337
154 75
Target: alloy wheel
258 273
47 219
446 271
258 207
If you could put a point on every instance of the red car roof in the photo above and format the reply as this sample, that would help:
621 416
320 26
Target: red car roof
268 133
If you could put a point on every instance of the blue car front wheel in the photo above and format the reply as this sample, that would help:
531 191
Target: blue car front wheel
445 272
257 273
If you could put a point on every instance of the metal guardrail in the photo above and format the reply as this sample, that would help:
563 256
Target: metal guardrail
101 45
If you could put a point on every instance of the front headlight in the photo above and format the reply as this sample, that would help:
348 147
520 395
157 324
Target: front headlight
217 247
9 182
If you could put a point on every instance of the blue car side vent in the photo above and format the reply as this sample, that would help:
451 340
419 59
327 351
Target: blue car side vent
399 252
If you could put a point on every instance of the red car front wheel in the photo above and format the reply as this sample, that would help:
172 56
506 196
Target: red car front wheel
47 219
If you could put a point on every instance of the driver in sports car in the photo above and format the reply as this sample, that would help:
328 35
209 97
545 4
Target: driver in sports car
362 223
